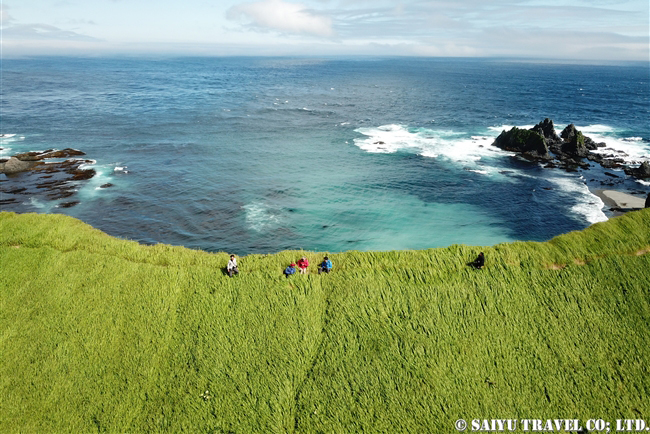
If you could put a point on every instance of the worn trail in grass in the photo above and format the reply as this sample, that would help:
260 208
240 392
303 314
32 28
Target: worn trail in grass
101 334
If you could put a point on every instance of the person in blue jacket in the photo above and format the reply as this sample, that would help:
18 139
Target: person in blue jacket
325 266
291 269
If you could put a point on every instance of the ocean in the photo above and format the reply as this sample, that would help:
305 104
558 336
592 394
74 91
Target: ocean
258 155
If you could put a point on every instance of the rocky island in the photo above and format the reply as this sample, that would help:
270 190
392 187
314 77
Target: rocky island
570 150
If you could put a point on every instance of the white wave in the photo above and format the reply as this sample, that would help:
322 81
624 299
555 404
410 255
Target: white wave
642 182
9 138
36 203
121 169
632 139
474 153
45 207
588 206
261 217
595 129
633 152
88 165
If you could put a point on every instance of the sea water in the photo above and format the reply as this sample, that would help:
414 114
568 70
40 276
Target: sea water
257 155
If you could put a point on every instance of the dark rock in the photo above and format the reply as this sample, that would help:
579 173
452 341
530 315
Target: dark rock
647 201
15 190
641 172
595 157
575 146
50 153
7 201
550 166
106 185
60 194
590 144
65 153
601 144
568 132
531 144
547 131
612 163
612 175
79 175
29 156
68 204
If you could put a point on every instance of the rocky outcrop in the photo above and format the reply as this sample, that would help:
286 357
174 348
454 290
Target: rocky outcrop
50 153
575 145
35 175
568 132
529 143
647 201
567 151
547 131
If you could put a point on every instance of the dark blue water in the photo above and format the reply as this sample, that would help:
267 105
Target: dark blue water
260 155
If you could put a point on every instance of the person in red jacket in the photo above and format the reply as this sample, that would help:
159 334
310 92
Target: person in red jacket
303 263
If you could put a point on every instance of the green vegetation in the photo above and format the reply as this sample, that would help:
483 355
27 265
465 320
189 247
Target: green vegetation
101 334
522 140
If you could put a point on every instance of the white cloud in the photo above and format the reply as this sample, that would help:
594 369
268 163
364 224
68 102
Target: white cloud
43 31
284 17
5 18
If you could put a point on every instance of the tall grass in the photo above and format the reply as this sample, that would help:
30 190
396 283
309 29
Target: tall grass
102 334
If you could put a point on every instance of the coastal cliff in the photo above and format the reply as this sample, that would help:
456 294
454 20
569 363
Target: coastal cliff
102 334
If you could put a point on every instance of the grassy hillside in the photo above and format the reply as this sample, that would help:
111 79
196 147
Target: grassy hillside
101 334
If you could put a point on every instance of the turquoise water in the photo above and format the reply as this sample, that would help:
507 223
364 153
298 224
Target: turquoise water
259 155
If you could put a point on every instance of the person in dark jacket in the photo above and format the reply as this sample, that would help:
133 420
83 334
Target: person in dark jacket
479 262
291 269
325 266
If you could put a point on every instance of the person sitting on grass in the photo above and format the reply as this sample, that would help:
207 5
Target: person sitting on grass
291 269
479 262
231 268
303 263
325 266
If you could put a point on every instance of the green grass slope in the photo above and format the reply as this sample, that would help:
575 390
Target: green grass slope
101 334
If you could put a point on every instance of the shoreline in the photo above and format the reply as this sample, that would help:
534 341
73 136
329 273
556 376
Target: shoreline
618 202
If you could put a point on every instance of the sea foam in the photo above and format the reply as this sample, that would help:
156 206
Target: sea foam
474 153
261 217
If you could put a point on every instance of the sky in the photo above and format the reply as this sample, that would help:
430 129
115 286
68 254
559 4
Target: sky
607 30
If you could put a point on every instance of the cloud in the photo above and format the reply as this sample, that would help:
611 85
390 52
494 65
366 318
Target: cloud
13 30
5 18
283 17
43 31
